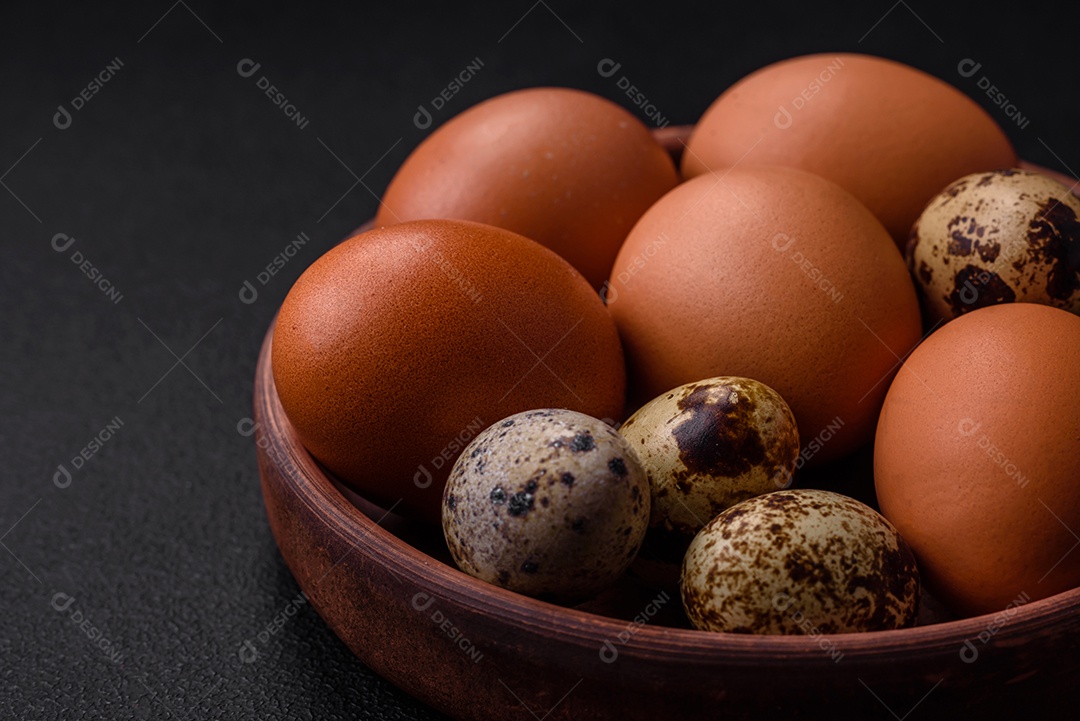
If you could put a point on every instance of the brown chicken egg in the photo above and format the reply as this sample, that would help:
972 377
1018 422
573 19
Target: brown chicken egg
977 457
890 134
999 237
563 167
775 274
398 346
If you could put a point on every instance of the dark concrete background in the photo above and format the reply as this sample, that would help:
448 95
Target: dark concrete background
180 180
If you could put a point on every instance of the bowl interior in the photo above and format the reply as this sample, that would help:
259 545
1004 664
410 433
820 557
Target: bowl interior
418 549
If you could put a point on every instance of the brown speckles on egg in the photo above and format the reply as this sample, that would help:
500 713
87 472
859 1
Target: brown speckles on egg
775 561
954 189
582 442
1015 237
706 446
913 240
718 436
1054 235
976 288
959 243
520 504
988 252
547 517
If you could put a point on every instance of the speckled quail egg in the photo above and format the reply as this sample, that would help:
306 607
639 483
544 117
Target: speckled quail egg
799 561
998 237
707 446
550 503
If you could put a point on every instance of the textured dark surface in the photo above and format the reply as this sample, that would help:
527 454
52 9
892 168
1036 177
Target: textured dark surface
180 180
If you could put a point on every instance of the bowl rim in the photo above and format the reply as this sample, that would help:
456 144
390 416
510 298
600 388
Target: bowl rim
360 532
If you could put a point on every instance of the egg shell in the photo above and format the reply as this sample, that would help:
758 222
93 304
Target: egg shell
998 237
775 274
799 561
706 446
890 134
549 503
977 456
563 167
398 346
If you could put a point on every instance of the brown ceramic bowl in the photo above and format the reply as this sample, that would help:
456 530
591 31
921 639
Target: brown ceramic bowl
474 651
